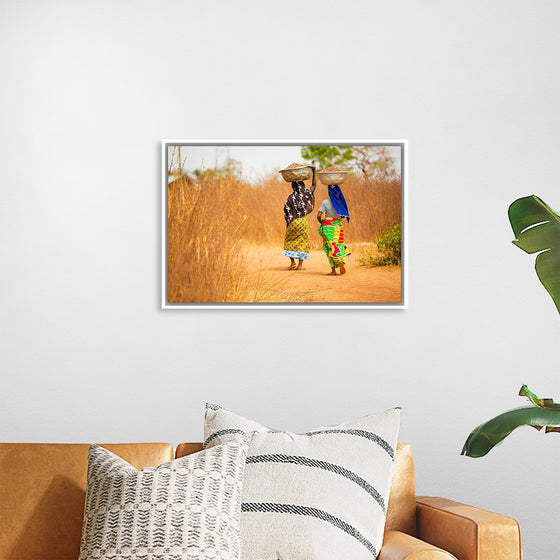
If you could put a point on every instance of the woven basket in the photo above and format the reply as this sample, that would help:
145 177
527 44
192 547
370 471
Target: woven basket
332 177
293 174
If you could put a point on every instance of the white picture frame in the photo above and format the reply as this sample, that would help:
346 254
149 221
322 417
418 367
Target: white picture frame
199 147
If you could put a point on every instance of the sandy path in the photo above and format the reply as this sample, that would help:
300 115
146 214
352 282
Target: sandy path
314 283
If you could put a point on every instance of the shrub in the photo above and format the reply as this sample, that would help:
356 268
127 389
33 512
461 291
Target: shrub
388 249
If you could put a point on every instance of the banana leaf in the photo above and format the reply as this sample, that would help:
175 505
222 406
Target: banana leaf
543 413
536 227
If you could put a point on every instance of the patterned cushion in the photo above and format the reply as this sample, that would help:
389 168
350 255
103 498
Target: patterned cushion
312 496
185 509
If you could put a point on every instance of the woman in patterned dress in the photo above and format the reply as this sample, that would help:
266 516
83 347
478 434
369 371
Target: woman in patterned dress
331 214
296 240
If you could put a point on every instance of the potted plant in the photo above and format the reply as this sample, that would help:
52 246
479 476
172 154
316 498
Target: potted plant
536 227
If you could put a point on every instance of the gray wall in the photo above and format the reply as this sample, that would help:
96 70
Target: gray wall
89 90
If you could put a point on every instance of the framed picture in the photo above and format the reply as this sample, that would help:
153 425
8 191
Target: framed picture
295 224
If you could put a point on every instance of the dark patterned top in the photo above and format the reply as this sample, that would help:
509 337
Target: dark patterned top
300 203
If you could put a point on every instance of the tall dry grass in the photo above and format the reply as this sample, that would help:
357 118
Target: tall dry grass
205 262
211 218
374 206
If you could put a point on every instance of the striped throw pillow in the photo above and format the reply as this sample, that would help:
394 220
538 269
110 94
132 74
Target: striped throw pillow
316 496
187 509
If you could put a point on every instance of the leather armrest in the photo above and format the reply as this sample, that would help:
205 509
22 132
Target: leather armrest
401 546
467 532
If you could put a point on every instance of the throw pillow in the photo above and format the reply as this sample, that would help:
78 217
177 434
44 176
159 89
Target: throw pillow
313 496
185 509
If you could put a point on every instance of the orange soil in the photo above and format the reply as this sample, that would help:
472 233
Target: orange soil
314 283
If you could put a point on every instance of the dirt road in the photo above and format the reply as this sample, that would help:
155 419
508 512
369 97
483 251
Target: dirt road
275 283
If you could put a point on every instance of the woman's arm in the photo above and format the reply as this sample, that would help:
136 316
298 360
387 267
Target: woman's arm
314 180
320 217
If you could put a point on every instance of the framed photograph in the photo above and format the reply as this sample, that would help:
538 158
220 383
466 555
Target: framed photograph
296 224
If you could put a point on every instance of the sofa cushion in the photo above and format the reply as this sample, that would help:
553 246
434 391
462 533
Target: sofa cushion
186 509
322 494
42 492
401 509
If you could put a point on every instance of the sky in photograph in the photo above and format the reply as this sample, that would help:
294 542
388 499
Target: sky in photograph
257 161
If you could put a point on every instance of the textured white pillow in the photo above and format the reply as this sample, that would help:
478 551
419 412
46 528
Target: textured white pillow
321 495
185 509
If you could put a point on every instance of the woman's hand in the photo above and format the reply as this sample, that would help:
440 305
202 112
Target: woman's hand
314 180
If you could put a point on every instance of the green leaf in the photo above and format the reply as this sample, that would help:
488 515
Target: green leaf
536 227
483 438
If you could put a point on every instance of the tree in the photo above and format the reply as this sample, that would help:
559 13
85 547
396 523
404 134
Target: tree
369 161
230 166
373 161
323 156
176 165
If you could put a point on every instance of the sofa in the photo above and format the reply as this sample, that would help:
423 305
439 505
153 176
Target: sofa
42 493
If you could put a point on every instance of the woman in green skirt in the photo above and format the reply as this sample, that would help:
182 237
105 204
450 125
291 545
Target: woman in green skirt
331 214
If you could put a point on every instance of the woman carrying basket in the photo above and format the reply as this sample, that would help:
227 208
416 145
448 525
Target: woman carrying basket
298 204
331 214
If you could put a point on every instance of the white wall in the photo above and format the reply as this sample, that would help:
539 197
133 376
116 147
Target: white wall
89 90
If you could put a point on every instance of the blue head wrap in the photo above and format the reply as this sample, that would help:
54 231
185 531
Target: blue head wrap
338 201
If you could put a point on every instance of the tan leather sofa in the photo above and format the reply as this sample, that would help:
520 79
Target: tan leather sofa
42 491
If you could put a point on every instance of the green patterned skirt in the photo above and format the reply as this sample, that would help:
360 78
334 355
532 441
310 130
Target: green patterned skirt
332 232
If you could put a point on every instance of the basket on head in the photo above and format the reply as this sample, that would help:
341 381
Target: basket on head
332 176
296 172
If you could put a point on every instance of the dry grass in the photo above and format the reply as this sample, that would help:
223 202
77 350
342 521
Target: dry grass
210 220
203 229
373 208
